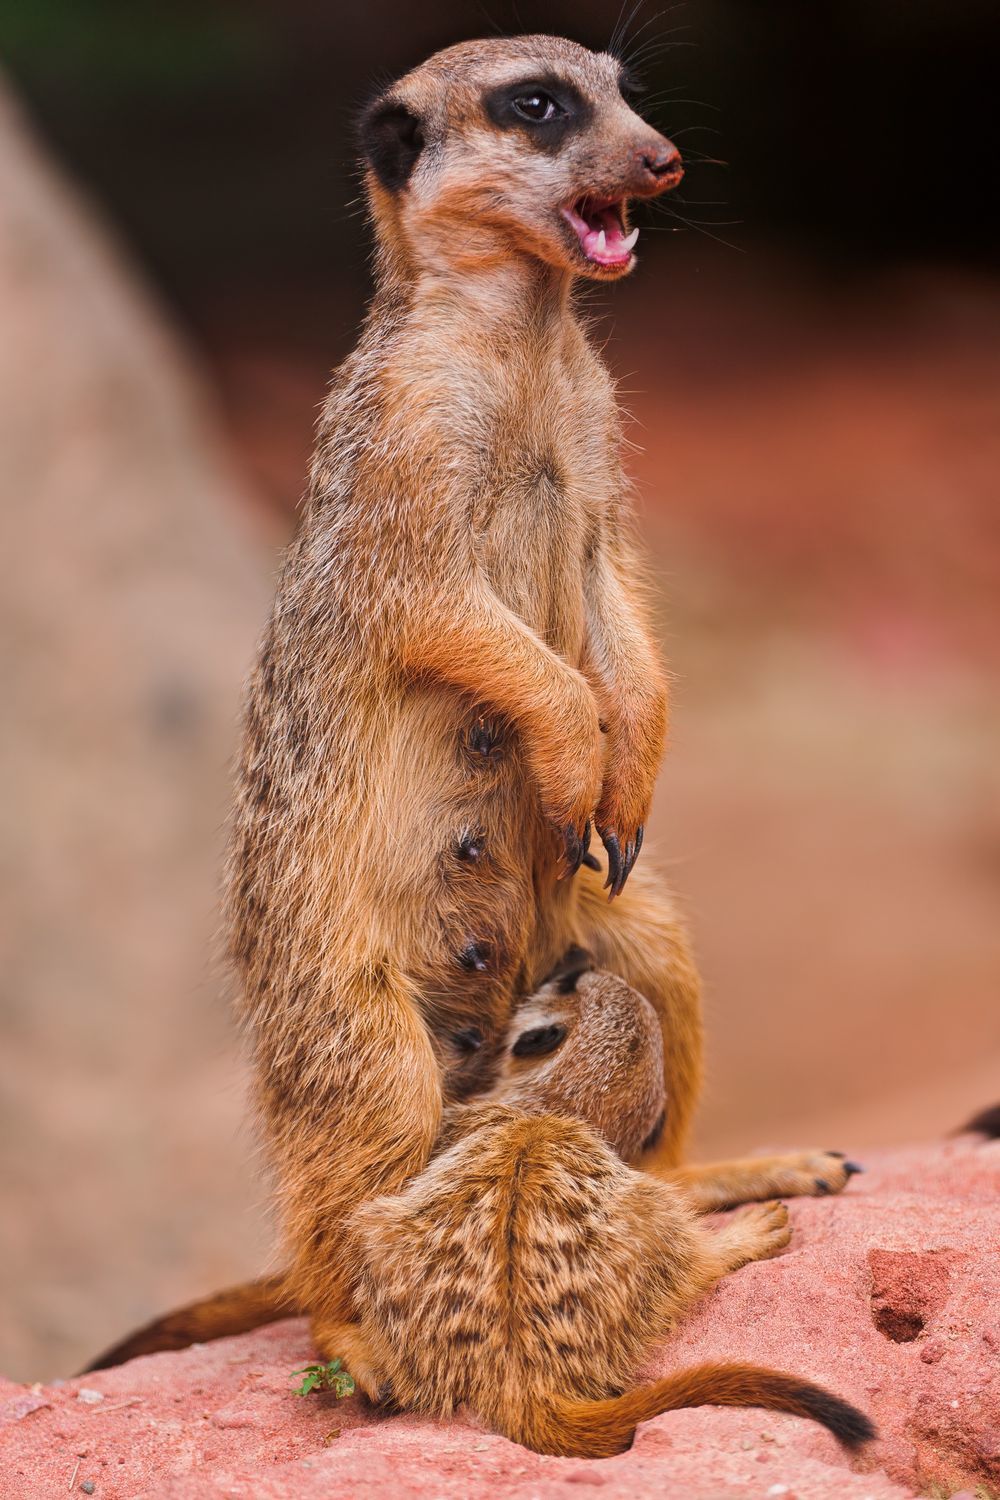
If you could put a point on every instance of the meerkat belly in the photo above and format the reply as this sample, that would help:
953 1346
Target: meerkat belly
462 849
531 527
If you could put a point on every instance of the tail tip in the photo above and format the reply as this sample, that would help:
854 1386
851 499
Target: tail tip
984 1122
847 1423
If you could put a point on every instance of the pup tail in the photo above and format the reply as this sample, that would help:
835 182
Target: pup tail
599 1429
236 1310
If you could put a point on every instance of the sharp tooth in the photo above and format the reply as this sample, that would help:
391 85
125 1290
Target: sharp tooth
630 240
601 243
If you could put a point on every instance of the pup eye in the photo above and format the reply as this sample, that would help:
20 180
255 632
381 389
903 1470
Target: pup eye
539 1041
537 106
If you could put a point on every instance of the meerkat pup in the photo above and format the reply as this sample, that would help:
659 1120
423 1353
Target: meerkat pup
528 1270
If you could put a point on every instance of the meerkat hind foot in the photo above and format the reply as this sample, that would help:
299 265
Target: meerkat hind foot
753 1233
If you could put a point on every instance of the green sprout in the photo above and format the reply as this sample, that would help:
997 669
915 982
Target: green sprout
331 1377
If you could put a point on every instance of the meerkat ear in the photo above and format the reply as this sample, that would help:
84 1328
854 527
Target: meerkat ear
391 138
574 962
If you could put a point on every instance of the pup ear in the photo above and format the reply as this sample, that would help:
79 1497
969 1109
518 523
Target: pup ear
574 962
391 138
538 1041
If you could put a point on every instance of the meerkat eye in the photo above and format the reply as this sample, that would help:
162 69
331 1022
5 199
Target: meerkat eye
544 112
537 106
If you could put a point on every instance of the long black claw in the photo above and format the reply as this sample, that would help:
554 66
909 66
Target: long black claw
611 844
852 1167
591 861
574 848
630 856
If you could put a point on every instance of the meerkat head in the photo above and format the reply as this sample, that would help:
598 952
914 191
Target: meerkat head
519 147
589 1045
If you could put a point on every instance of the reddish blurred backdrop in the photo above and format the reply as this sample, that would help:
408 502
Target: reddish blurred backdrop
810 352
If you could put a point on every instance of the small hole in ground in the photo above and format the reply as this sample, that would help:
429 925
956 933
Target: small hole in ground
896 1324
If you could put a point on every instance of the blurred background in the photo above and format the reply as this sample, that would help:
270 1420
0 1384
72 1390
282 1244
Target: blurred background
810 355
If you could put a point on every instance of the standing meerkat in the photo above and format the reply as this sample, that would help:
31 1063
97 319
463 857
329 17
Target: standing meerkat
458 676
527 1271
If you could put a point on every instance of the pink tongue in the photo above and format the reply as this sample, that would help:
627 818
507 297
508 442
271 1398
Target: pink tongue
614 247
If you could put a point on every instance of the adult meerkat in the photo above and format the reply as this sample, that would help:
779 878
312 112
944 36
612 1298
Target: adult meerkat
458 674
527 1271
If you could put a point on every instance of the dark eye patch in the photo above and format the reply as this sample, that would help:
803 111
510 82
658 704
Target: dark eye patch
574 112
539 1041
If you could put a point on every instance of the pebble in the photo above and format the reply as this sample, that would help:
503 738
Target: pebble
89 1396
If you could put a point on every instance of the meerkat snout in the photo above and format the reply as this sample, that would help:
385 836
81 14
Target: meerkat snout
513 147
662 163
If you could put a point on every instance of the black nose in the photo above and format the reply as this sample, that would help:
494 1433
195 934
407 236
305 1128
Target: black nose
662 162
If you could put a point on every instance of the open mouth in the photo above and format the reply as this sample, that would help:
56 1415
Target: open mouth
600 228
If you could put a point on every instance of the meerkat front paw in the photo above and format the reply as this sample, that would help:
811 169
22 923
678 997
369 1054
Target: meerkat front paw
620 821
621 815
576 847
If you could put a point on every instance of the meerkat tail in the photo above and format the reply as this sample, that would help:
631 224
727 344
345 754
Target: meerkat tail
985 1122
599 1429
238 1309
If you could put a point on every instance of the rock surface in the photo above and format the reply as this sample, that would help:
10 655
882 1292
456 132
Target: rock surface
889 1294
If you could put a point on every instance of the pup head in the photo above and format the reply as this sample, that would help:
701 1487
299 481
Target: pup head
588 1045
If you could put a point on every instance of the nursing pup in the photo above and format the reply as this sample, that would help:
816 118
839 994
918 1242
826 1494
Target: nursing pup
528 1270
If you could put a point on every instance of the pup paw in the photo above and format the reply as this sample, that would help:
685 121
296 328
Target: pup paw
767 1226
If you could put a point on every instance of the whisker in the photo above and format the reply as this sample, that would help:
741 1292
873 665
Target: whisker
695 158
687 129
657 47
622 25
622 34
493 24
702 229
649 21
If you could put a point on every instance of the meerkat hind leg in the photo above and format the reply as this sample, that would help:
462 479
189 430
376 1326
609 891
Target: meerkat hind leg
347 1342
640 937
754 1179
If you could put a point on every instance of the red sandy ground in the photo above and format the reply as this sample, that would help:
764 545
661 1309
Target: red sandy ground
889 1294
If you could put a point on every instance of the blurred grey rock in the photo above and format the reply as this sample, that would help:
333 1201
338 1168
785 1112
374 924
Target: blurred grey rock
133 589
